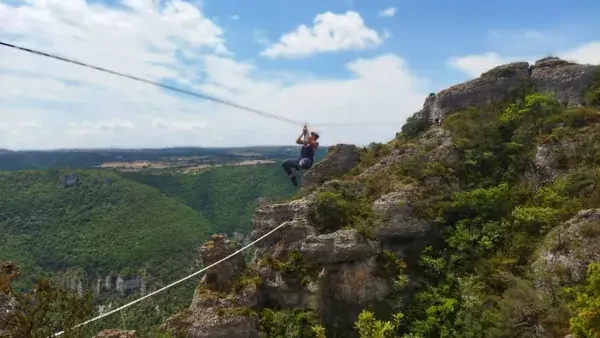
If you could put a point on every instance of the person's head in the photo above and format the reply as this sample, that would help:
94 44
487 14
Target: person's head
314 135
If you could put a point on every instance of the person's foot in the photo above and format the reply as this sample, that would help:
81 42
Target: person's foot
294 180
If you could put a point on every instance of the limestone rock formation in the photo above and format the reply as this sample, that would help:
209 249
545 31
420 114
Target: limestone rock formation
340 246
568 81
567 250
220 308
340 159
499 84
220 278
395 211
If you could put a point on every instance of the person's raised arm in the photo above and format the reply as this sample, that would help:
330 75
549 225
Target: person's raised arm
300 139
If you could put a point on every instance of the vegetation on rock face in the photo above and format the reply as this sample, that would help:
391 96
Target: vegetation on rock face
36 315
592 94
586 306
288 323
415 125
521 170
476 283
339 207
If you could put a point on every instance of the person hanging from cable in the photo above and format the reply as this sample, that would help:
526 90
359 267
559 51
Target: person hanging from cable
309 143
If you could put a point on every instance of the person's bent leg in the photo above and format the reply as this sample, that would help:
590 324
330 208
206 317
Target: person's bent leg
288 165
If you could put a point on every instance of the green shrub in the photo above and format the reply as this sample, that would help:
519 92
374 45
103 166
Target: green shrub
288 323
592 93
415 125
331 212
39 314
586 322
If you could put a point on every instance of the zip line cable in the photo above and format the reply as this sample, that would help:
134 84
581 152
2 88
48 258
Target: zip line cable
135 78
174 283
183 91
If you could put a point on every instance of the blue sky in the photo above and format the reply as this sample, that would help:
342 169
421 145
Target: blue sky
375 68
426 33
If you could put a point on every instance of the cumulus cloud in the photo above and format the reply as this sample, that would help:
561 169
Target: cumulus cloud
176 42
475 64
330 32
388 12
587 53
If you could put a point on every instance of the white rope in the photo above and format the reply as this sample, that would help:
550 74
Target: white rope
174 283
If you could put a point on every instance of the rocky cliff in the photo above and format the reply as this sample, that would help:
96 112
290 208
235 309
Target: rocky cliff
567 80
363 232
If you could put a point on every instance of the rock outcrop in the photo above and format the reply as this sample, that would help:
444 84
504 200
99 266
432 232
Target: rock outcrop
567 250
340 159
340 246
568 81
499 84
224 300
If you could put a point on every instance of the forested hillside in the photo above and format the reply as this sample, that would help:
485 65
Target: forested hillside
119 235
95 220
227 196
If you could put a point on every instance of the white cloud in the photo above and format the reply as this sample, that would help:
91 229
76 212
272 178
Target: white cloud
587 53
235 17
79 107
388 12
475 64
330 33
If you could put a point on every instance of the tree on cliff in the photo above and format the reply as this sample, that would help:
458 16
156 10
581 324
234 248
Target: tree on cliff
44 311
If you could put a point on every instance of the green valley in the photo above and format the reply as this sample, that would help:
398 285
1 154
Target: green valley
90 228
